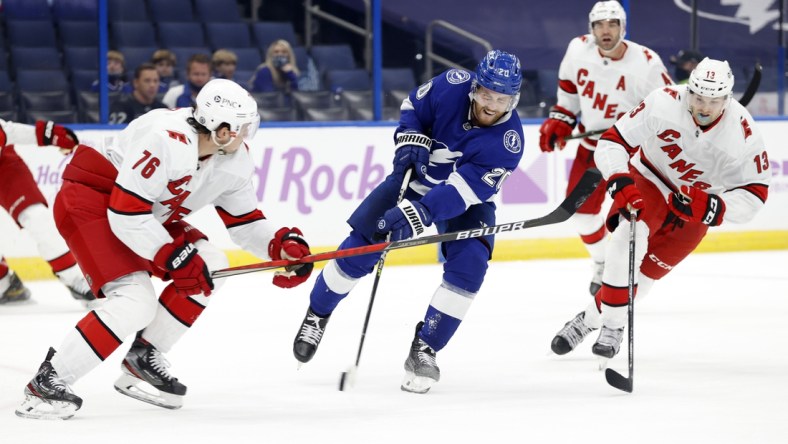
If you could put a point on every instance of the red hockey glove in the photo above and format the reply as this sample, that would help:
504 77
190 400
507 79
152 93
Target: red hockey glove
188 271
625 194
288 243
50 133
696 205
558 126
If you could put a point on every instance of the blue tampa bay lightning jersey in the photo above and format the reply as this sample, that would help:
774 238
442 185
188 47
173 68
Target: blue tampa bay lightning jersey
468 164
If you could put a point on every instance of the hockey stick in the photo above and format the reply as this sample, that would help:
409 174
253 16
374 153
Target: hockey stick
613 377
752 88
745 99
587 184
348 378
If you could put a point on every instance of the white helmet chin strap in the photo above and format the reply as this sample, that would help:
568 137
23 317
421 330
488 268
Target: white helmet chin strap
220 145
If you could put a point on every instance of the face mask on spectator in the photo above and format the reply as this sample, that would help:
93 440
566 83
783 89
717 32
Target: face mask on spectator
280 61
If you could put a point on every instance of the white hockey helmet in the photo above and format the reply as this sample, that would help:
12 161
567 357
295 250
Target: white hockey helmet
224 101
711 78
608 10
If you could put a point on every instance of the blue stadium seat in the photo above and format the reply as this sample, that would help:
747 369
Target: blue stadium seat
181 34
171 10
301 56
81 57
398 79
5 82
136 55
45 101
127 34
75 9
78 33
329 57
82 79
55 116
35 58
126 11
348 79
266 33
41 80
27 10
7 101
3 58
218 11
228 35
248 58
31 33
183 54
242 76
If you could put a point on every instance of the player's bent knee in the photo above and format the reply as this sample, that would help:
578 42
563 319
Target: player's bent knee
131 303
466 264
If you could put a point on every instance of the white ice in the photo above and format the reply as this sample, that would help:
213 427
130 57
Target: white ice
711 364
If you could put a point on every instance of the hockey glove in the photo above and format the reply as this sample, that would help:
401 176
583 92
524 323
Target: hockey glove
625 194
184 265
288 243
696 205
404 221
412 149
50 133
558 126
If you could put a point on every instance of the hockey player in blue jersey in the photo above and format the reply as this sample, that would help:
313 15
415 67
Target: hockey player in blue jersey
462 136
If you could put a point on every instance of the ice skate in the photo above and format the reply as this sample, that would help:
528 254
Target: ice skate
596 279
309 335
78 287
571 335
16 291
146 377
609 342
421 370
47 397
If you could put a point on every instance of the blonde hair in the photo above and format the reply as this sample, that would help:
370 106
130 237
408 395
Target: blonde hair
278 79
164 55
117 55
223 56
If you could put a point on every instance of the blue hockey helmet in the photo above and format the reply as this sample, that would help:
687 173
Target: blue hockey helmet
500 71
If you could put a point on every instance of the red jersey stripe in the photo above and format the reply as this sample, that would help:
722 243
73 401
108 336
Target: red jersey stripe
231 221
123 201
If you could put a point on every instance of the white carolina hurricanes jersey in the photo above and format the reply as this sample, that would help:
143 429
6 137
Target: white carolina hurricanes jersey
16 133
727 158
161 180
600 89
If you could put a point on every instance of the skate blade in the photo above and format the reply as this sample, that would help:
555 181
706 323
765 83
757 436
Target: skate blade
140 390
602 362
34 407
416 384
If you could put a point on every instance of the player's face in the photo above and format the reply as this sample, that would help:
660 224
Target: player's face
705 110
607 33
489 106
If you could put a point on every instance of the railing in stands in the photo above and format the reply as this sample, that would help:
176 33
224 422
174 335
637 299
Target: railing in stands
314 11
430 54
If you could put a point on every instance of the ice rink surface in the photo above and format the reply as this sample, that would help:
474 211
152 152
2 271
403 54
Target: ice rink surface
711 364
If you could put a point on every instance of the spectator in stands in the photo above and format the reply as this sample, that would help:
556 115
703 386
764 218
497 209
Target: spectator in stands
165 62
279 71
224 64
116 73
683 63
141 100
198 73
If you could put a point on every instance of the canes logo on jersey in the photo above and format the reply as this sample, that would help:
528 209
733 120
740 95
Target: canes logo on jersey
511 141
457 76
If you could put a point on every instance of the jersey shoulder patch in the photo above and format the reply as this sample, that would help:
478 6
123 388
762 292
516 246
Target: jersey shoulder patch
457 76
512 142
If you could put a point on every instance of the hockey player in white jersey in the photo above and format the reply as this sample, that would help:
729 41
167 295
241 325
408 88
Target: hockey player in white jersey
120 210
27 206
686 158
601 76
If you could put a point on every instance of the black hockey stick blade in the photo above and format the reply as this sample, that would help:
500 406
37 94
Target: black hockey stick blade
615 379
752 88
587 184
585 134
